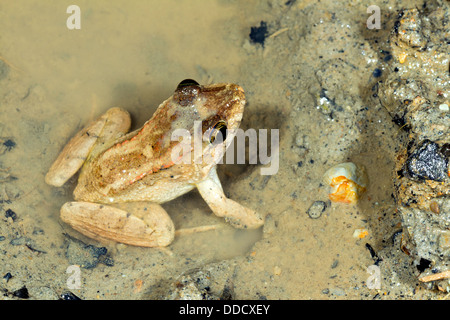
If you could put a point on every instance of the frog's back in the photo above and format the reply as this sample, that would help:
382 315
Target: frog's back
131 170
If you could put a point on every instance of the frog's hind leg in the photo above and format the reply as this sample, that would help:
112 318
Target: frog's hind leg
114 123
148 225
236 214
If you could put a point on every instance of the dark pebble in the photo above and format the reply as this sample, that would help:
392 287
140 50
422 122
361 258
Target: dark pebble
2 238
21 293
423 265
377 73
259 34
373 254
7 276
426 162
9 144
10 214
69 296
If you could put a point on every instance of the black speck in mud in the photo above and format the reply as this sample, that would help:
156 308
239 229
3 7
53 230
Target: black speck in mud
259 34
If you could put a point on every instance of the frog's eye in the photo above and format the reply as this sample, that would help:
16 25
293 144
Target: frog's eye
186 92
186 83
220 128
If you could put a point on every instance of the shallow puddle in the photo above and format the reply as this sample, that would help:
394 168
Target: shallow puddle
311 79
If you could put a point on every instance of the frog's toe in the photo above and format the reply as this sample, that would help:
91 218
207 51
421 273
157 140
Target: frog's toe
240 216
149 228
236 214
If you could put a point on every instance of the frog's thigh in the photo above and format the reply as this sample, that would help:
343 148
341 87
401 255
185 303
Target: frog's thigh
238 215
114 122
148 226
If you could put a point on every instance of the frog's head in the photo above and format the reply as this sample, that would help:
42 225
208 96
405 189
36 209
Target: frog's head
217 107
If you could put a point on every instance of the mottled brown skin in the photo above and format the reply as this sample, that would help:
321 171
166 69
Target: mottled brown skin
146 153
142 167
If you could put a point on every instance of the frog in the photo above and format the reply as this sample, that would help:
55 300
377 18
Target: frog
125 177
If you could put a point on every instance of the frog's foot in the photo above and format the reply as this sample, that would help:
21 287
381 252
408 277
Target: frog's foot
236 214
148 226
113 123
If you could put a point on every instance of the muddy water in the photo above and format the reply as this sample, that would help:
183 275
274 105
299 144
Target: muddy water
133 56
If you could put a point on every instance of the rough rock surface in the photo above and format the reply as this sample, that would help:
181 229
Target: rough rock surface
416 93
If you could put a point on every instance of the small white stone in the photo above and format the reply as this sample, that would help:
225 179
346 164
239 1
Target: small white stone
347 181
277 270
360 233
444 107
299 139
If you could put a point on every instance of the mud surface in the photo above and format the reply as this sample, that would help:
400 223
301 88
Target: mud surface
309 69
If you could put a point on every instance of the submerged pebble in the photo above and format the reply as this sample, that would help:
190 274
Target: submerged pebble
21 293
316 209
11 214
347 180
7 276
69 296
360 233
259 34
426 162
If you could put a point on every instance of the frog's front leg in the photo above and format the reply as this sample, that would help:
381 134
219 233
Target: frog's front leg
114 123
148 225
238 215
